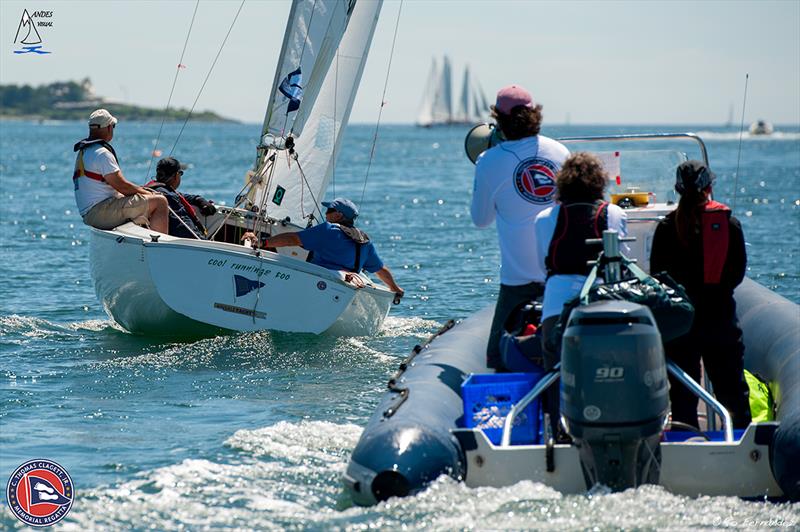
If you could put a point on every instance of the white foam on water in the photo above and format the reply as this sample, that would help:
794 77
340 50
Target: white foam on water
30 327
449 505
396 326
288 477
321 441
361 344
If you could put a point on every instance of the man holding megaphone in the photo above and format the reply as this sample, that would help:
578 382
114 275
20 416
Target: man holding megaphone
515 181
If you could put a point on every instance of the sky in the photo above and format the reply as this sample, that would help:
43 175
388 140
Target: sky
648 62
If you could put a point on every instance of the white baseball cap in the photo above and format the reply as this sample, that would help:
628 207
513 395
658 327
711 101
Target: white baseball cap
101 118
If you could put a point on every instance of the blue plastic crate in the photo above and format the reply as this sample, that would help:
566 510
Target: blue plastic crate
488 400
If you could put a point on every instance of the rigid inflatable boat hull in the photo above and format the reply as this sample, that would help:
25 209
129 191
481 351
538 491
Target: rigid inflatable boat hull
409 440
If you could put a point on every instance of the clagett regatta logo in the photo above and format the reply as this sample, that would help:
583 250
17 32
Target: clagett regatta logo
40 493
534 179
28 33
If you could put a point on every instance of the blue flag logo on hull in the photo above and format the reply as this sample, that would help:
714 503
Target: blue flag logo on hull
292 89
244 285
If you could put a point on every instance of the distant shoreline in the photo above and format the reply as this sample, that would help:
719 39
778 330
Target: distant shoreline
45 118
75 100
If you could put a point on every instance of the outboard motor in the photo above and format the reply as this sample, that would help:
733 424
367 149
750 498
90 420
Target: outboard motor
614 392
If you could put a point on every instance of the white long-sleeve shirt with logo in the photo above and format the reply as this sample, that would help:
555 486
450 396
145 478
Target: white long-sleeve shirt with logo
514 182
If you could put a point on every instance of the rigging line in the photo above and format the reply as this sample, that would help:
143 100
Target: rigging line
263 218
302 53
210 70
172 90
739 154
242 196
303 175
383 103
335 100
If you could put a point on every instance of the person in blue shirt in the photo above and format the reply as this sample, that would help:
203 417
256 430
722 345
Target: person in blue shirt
337 244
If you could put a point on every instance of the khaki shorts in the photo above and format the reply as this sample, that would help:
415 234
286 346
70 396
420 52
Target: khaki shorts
114 212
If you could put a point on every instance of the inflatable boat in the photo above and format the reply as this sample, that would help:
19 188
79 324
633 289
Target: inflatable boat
429 422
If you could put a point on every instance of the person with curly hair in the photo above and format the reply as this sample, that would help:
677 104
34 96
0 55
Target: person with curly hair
702 247
561 233
515 181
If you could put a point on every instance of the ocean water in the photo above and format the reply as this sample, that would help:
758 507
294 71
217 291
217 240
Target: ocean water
252 431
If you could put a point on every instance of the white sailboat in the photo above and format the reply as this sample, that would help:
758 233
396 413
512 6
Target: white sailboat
437 101
159 284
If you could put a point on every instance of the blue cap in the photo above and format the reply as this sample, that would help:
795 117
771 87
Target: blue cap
344 206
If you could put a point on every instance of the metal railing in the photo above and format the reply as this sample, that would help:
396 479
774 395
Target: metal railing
544 383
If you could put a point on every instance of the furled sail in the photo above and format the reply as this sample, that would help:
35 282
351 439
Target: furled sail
294 188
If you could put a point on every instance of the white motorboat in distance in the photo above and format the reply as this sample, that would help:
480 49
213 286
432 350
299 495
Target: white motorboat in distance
761 127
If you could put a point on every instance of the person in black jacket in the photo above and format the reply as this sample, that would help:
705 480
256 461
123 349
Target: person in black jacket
702 247
183 219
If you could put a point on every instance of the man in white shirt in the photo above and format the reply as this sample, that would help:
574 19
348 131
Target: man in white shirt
515 181
104 197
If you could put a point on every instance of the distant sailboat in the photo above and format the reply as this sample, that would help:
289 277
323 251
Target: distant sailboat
729 123
437 101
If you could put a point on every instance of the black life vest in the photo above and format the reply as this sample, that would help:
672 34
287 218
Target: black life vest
80 170
359 238
715 229
568 252
169 191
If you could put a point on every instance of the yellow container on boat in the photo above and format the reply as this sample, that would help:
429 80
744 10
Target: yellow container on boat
639 199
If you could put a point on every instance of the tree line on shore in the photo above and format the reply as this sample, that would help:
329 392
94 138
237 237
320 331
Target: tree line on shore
74 100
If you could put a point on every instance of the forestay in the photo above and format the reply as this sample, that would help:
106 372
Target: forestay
311 106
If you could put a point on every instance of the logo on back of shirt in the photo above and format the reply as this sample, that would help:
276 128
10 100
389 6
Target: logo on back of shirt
534 180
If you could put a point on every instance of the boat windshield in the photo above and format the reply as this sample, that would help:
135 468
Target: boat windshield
642 163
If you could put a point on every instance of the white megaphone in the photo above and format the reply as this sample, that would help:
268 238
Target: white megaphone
480 138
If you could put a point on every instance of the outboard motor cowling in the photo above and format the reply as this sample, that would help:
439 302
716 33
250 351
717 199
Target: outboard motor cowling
614 392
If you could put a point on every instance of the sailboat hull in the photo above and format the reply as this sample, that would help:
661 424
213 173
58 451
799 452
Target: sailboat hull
176 286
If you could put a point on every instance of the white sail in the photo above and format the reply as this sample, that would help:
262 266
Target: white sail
294 188
425 117
463 113
313 33
479 110
442 111
437 102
